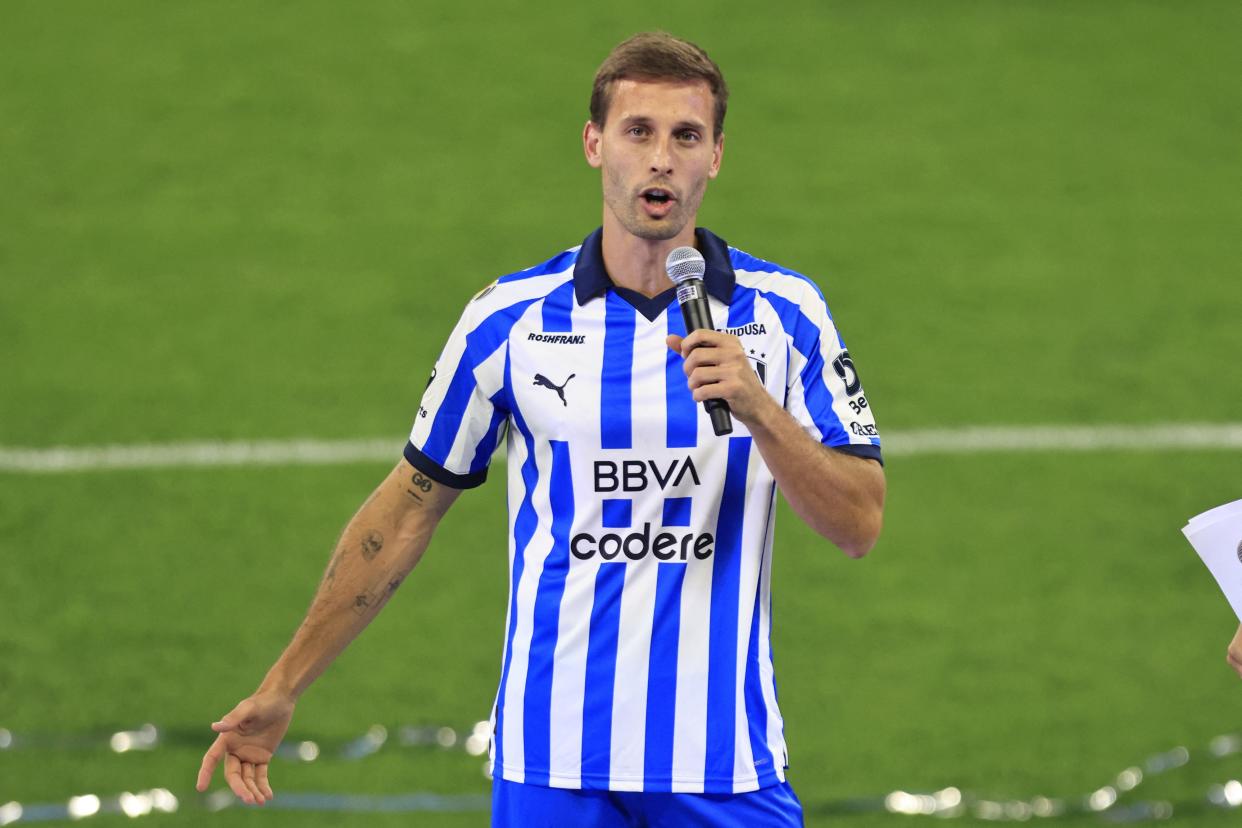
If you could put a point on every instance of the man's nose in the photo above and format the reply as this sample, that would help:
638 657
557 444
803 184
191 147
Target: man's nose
662 157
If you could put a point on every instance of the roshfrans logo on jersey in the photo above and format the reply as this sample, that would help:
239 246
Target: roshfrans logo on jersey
635 546
557 339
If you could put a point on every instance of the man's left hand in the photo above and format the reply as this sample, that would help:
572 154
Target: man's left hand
718 369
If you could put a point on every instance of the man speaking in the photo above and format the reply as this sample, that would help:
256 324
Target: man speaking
636 686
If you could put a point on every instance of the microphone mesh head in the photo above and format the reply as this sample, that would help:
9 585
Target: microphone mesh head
685 263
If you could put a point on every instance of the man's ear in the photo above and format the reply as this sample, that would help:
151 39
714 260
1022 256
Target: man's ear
717 157
590 144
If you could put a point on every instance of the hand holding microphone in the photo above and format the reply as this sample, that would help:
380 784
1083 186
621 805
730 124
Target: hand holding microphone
685 267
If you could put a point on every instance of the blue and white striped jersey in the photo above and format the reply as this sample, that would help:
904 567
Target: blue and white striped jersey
637 640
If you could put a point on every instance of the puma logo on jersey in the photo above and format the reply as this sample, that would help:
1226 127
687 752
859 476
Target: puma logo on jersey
544 382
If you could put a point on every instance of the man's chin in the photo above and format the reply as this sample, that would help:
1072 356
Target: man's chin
656 229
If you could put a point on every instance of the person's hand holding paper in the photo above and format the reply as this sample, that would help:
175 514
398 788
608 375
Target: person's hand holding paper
1217 536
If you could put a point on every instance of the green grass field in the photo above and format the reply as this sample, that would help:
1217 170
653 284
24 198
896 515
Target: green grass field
225 220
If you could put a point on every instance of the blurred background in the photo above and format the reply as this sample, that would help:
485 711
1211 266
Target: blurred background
228 221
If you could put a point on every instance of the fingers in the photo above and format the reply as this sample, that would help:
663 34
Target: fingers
701 358
704 338
709 382
261 778
210 760
673 341
243 780
233 776
248 774
247 780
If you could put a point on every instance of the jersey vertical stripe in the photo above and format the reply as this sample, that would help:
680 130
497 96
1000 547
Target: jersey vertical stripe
722 642
681 428
662 680
775 733
616 373
601 673
523 486
538 695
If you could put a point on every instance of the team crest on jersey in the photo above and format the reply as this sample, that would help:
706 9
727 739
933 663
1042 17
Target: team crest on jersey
758 361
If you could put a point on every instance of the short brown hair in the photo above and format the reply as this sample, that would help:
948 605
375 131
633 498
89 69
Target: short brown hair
661 57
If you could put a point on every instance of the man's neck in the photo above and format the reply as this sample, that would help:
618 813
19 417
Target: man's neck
637 263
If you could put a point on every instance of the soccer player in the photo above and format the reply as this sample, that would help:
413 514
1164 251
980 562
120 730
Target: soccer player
636 686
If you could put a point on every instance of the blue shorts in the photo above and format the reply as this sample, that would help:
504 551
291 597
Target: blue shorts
516 805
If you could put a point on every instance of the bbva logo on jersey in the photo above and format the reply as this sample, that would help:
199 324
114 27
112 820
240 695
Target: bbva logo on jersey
631 475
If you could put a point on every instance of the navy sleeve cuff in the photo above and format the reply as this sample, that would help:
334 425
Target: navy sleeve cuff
860 450
440 474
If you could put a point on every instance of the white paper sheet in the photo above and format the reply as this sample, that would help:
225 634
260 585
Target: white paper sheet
1217 536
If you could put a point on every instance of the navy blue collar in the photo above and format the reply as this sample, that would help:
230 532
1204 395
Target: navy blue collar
591 279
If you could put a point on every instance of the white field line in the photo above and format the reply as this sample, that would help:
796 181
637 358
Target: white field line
184 455
979 439
909 443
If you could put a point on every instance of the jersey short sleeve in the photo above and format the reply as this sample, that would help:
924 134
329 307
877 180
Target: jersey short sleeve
464 406
825 393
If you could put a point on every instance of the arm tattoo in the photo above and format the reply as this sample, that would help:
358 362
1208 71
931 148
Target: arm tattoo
420 483
363 601
372 543
329 578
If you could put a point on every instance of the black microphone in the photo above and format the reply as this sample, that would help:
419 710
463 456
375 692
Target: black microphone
685 266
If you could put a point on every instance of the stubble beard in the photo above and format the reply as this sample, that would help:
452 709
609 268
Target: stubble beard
629 213
654 230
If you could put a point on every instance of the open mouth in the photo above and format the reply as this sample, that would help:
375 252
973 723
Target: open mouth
656 196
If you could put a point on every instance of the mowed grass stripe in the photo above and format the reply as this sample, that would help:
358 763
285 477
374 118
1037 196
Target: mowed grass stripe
966 439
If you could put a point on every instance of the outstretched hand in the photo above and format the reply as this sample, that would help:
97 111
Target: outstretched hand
249 735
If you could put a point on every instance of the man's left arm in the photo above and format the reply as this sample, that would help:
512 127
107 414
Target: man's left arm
840 496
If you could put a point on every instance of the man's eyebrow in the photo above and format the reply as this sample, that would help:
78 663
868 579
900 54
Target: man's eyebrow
647 120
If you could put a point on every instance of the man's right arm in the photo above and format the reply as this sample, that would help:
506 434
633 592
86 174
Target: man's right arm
379 547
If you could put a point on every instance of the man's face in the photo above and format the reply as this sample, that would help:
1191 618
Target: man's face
657 153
